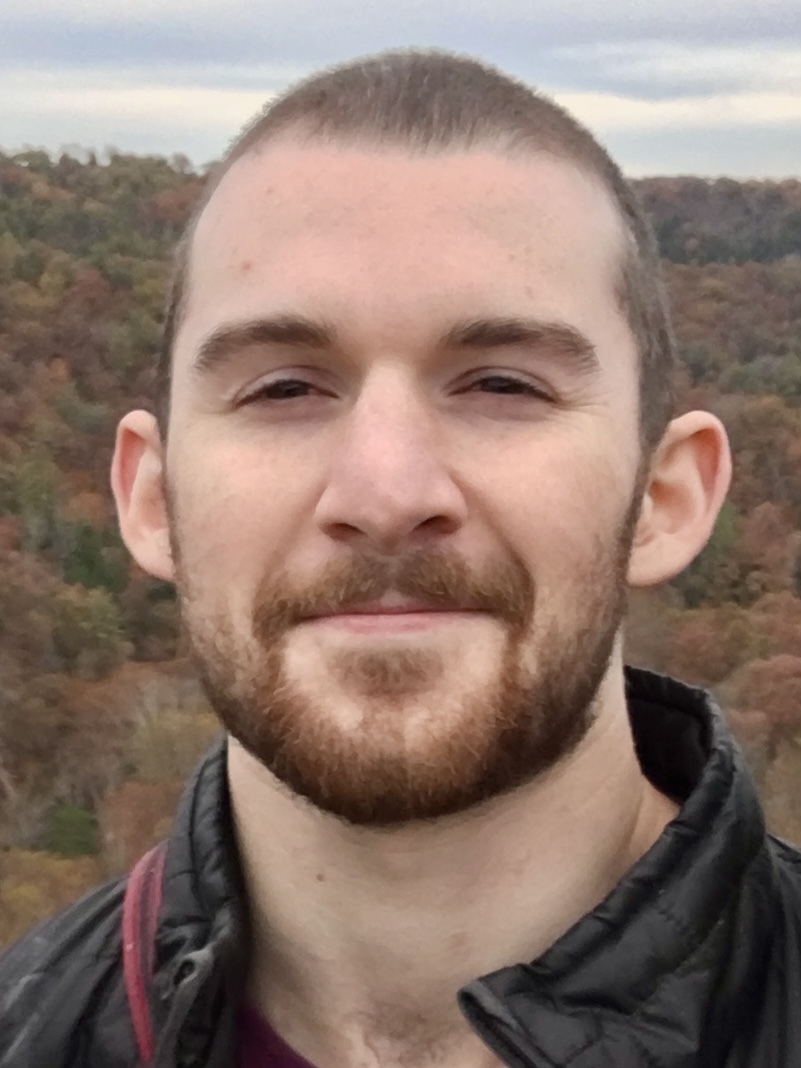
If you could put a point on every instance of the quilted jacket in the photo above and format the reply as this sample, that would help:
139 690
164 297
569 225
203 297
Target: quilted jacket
692 961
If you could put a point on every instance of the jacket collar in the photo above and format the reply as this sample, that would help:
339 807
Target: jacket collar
663 968
666 968
202 940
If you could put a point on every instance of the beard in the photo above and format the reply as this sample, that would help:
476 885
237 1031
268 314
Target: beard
418 746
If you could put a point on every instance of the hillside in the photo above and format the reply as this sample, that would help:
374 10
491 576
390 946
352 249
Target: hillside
100 718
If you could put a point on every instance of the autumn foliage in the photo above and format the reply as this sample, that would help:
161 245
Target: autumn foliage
100 717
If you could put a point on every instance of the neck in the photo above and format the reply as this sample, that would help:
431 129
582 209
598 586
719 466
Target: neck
362 937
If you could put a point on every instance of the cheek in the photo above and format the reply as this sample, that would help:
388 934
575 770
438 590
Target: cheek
563 510
232 516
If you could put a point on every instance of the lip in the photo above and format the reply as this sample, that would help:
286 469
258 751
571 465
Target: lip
381 608
371 617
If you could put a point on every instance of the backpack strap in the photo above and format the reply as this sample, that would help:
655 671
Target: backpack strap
140 912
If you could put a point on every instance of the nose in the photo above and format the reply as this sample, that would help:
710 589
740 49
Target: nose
389 485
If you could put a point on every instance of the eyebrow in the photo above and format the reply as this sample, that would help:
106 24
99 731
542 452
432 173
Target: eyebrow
558 338
289 331
294 331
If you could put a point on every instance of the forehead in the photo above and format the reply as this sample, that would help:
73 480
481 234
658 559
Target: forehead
381 232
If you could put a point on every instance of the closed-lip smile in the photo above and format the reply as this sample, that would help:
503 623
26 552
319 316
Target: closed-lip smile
391 613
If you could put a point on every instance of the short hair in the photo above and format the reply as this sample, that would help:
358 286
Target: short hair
430 101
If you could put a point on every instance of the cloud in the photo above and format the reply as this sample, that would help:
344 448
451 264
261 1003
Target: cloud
311 32
185 76
653 69
747 134
605 111
112 111
741 151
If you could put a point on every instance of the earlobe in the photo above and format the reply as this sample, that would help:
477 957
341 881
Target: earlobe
687 484
138 486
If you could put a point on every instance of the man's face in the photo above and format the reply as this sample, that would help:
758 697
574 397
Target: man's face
403 383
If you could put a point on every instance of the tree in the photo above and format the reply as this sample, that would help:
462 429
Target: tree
87 631
716 575
35 884
71 831
772 686
709 643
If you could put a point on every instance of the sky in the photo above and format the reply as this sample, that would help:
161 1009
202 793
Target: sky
706 87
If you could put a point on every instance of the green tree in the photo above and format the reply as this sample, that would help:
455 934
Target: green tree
93 556
87 631
71 831
35 495
715 576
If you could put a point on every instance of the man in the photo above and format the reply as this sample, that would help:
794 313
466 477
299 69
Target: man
415 440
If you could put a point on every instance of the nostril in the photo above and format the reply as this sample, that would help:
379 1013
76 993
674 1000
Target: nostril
439 524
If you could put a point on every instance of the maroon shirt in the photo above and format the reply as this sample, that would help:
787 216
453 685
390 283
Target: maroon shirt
261 1047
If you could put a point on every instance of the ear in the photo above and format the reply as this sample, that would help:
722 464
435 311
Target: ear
688 481
137 482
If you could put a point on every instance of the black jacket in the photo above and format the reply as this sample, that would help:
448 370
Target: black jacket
692 960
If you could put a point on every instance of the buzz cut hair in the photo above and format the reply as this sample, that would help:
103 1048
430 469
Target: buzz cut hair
429 102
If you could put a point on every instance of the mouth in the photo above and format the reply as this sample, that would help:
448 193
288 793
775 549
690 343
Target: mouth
390 615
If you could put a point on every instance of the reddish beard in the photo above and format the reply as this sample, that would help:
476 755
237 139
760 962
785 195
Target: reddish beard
539 707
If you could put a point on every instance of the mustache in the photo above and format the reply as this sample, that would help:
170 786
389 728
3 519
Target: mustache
441 578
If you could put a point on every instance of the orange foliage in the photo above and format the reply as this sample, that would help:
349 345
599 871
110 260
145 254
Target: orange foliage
772 687
777 617
133 818
781 794
81 321
707 644
767 543
34 885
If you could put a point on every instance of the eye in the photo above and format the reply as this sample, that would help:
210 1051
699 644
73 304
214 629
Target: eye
280 389
509 386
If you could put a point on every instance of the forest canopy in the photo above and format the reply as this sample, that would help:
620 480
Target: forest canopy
101 718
